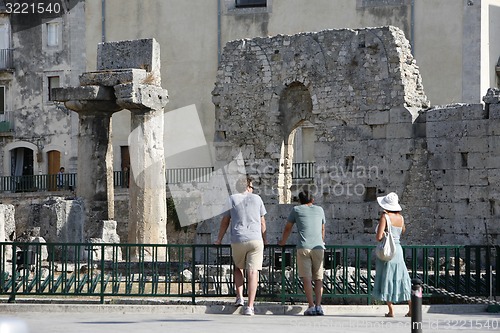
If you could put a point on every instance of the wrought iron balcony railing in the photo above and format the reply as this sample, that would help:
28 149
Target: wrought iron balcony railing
44 182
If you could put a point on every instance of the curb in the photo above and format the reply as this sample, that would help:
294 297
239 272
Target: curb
260 308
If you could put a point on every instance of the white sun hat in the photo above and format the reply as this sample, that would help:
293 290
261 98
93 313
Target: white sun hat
390 202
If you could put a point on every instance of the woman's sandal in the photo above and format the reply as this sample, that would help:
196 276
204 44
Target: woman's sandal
389 315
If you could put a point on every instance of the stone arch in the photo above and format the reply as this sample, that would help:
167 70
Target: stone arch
295 108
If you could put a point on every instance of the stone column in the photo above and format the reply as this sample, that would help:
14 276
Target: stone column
95 105
148 199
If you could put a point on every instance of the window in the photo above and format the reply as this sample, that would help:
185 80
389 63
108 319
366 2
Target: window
53 29
251 3
53 82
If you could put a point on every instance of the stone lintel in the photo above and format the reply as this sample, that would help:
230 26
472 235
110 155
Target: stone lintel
140 96
87 93
111 78
139 53
93 107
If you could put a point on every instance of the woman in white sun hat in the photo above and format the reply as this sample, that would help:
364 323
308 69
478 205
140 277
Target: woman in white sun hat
392 281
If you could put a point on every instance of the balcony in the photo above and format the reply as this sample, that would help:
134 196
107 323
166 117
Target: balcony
40 183
6 123
6 59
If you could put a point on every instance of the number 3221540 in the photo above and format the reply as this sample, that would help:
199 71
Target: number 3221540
33 8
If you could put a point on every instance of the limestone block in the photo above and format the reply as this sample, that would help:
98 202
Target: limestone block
7 223
376 117
478 178
403 114
379 131
86 93
109 234
450 177
399 131
494 111
44 254
444 113
140 96
140 53
479 209
360 132
478 127
494 176
472 144
473 112
111 78
478 161
476 193
494 144
453 192
62 220
452 209
447 130
494 127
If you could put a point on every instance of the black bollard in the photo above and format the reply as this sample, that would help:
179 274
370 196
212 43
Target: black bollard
416 306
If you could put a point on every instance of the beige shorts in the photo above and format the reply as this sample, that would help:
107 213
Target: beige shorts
248 255
310 263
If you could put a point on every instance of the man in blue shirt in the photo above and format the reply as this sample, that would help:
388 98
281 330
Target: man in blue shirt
310 221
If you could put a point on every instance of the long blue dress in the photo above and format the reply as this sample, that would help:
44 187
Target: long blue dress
392 281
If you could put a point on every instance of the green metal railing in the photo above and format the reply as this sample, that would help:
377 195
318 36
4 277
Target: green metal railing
200 271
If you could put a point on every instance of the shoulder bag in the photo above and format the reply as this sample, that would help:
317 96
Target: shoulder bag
386 248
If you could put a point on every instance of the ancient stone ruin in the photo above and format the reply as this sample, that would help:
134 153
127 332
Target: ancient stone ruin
374 133
127 77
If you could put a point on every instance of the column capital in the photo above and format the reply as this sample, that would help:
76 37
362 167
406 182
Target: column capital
141 96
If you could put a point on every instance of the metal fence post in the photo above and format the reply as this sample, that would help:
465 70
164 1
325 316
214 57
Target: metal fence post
416 306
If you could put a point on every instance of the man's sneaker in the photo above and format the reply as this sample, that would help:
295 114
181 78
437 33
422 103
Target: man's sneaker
311 311
239 302
319 310
248 311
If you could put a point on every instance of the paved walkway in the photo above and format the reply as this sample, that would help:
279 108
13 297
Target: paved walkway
55 318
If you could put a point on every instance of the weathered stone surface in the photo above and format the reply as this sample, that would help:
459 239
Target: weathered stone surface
111 78
140 96
141 54
62 220
374 133
7 223
87 93
128 76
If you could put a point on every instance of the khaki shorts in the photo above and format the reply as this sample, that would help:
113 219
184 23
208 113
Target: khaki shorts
310 263
248 255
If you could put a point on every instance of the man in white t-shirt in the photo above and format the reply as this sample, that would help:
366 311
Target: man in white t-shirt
245 216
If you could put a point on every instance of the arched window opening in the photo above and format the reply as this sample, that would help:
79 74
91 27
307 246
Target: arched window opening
298 136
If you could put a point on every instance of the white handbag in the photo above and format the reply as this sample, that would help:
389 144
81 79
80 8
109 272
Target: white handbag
386 248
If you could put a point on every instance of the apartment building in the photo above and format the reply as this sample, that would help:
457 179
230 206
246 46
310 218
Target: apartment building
38 51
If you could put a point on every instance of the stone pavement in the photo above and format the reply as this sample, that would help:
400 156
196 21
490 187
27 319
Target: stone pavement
83 318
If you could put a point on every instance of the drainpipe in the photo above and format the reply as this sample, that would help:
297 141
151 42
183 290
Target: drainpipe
103 20
412 27
219 42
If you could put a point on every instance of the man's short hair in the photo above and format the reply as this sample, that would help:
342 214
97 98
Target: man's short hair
305 197
242 184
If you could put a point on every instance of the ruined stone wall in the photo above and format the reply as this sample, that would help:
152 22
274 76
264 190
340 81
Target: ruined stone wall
374 134
461 203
